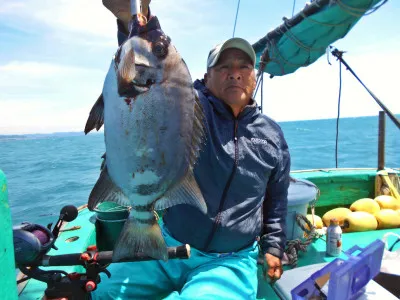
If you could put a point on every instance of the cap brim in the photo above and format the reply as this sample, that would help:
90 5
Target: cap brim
234 43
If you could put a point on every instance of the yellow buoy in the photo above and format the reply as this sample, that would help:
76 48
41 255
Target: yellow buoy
387 202
366 204
359 221
339 213
387 218
317 221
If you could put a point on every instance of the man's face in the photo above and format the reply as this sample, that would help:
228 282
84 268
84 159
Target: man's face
233 78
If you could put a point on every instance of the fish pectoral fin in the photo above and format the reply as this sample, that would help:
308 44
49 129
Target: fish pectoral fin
186 191
96 116
138 237
106 190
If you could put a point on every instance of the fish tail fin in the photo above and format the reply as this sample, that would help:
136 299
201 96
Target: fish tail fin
140 236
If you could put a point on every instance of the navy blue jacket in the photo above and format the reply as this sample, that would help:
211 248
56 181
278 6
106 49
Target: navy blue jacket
243 173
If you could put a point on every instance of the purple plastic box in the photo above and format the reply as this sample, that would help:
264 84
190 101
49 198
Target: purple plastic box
348 278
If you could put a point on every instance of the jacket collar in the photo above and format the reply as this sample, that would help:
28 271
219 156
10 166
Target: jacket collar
222 108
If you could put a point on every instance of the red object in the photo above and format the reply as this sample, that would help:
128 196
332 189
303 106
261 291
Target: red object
74 276
90 286
85 256
92 248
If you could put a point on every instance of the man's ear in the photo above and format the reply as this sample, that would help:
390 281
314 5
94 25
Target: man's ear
254 82
205 78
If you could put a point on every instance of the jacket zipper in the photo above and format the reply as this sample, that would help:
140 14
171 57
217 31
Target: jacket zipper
225 192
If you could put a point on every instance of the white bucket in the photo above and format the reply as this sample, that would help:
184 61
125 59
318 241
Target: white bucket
301 192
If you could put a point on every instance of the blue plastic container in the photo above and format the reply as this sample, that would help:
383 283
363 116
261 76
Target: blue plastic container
348 278
301 193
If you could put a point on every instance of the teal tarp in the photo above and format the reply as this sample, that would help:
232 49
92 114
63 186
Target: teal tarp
301 40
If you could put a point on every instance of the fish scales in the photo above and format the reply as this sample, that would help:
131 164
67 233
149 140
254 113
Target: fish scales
153 132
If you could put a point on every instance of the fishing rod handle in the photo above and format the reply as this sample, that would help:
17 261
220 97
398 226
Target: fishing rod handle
105 257
180 252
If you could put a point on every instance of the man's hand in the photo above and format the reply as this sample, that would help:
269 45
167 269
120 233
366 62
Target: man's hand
272 267
121 9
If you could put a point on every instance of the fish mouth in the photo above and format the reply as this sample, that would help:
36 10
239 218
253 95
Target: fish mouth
138 89
135 88
142 88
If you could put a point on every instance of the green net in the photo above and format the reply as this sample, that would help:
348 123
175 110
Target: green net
301 40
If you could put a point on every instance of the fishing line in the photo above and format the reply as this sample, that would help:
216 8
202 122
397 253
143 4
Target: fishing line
294 5
237 12
338 114
262 92
257 86
260 82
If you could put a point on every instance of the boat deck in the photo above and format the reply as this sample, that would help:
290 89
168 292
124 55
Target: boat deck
339 187
316 254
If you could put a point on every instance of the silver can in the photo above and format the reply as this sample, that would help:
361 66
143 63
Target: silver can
334 238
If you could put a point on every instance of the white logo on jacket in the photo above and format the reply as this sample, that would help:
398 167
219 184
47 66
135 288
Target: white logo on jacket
258 141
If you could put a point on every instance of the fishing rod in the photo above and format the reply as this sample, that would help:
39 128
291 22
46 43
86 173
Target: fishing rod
32 242
339 55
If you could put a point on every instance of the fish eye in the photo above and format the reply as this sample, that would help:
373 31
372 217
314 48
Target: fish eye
150 82
160 47
160 50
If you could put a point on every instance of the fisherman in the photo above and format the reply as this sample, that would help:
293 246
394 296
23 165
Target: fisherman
243 173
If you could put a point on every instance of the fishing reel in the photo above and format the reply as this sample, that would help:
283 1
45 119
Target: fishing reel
33 241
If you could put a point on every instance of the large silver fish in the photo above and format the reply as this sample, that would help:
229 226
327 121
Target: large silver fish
153 126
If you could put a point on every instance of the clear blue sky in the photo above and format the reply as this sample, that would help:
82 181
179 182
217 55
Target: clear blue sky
54 56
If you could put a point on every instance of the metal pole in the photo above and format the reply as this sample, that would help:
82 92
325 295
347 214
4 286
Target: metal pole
381 141
339 55
135 7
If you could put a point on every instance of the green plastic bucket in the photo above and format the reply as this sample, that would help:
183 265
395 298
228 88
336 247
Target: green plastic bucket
110 218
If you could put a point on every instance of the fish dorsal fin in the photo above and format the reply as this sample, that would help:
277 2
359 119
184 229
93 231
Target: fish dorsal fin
106 190
198 133
186 191
96 116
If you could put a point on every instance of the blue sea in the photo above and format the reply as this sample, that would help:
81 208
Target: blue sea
47 171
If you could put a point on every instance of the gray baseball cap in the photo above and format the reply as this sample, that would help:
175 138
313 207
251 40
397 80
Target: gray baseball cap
236 43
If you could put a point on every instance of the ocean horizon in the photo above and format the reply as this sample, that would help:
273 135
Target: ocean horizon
46 171
79 132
